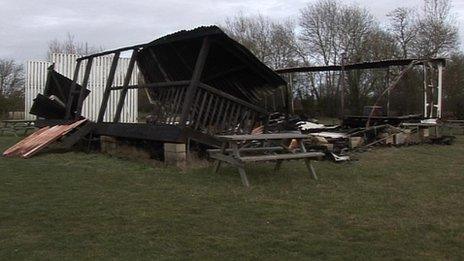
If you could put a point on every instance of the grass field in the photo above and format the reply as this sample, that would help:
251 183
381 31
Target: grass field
405 203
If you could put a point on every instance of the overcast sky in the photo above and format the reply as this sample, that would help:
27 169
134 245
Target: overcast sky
27 26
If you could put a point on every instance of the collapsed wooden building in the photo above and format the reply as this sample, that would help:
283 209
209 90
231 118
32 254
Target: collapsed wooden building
206 87
201 83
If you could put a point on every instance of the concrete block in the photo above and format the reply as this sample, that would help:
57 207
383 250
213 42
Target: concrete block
356 142
175 147
424 133
400 138
175 153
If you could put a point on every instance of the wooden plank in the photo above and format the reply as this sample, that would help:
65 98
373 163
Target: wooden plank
127 78
179 101
274 136
214 110
134 47
80 100
47 137
72 89
208 113
287 156
221 151
68 141
168 104
13 149
241 169
109 82
232 98
228 159
224 114
197 72
219 114
307 160
202 106
228 114
172 106
237 115
195 107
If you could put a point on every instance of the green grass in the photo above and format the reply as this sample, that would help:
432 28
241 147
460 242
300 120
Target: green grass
394 203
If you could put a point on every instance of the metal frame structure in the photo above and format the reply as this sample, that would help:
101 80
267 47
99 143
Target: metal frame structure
433 86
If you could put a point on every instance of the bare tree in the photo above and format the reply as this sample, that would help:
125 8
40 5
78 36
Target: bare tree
403 28
437 33
11 77
274 43
320 31
330 29
71 46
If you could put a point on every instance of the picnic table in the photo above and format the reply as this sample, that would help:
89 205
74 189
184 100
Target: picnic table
234 147
15 126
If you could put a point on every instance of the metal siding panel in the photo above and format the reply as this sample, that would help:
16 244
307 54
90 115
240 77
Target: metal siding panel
36 73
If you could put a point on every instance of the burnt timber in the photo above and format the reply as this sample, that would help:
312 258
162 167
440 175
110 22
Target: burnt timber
201 83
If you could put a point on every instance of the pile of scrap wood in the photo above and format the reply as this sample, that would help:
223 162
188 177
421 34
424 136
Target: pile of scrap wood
345 138
41 139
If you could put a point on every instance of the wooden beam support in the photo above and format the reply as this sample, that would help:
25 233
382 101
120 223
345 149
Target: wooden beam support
80 100
232 98
72 89
158 64
109 82
127 78
196 76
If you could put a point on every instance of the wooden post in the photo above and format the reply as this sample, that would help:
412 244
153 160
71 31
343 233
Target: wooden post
196 76
440 89
80 100
241 169
342 91
290 95
72 89
388 92
127 78
425 90
109 82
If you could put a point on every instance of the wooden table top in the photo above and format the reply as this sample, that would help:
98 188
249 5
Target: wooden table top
273 136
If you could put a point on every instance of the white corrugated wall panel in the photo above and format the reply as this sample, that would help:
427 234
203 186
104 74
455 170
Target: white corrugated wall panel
36 73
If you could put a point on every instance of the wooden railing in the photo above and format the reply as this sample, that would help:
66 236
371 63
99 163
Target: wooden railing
211 112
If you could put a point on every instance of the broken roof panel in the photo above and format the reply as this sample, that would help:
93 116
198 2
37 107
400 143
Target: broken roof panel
230 67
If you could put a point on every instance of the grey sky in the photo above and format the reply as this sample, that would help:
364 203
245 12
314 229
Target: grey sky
26 26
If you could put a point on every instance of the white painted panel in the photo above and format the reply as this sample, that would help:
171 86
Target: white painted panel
36 73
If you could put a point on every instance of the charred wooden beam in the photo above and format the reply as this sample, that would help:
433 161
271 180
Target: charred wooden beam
109 82
72 91
80 100
158 64
197 72
124 90
118 50
232 98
